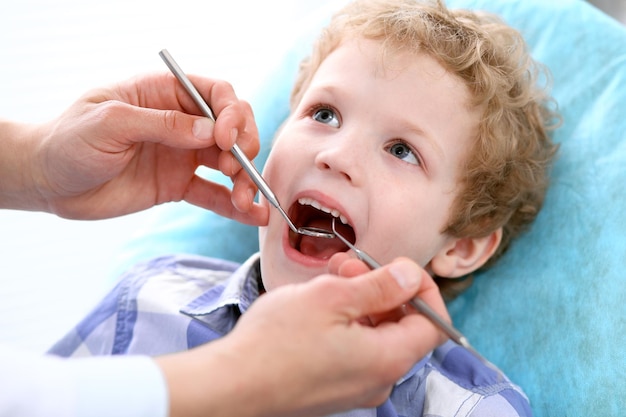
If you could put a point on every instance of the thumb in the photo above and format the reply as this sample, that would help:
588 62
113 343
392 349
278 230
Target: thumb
168 127
386 288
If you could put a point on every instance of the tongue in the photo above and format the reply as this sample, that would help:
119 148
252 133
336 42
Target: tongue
320 247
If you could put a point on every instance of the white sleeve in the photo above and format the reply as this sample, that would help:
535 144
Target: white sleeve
33 385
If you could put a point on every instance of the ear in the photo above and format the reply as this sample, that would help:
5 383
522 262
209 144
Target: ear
462 256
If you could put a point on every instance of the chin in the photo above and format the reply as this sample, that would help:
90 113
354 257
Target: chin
285 272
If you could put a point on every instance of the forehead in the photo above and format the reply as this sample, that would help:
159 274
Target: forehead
400 73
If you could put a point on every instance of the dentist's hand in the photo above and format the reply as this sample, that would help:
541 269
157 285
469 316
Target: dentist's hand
348 266
301 350
129 147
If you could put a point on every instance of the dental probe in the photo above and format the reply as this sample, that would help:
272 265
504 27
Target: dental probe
417 303
237 152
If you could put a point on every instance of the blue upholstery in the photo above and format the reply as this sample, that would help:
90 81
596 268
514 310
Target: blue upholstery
551 313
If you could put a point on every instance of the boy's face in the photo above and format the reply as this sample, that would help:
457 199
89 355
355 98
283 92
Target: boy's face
380 143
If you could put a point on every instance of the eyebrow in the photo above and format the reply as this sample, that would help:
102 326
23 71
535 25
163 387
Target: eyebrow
325 90
406 125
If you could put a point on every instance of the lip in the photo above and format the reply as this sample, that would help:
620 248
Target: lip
297 256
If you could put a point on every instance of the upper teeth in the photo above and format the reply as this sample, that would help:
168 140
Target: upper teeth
333 212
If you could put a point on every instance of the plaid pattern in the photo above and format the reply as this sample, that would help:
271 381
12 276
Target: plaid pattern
177 302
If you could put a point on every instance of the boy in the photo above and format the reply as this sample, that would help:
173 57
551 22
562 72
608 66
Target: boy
419 128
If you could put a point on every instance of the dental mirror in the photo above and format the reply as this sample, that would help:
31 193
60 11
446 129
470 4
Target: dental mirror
238 153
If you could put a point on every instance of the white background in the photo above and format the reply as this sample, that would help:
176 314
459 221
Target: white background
53 270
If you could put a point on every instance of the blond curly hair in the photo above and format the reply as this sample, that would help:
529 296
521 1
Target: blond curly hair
506 172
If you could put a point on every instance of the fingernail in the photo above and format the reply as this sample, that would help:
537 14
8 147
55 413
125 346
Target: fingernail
202 129
235 203
233 135
404 274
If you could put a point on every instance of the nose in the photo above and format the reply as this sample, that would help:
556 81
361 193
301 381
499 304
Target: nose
344 155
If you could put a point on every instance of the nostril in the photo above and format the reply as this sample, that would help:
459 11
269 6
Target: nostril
337 162
326 167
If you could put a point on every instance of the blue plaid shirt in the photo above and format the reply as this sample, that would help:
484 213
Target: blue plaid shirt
174 303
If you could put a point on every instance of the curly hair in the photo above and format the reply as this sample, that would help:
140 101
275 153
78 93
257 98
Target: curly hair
506 173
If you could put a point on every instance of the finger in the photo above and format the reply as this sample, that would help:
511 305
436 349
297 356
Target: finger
344 265
218 198
167 127
352 267
337 260
235 123
385 288
230 112
162 91
430 294
236 126
228 164
243 191
412 337
218 94
234 117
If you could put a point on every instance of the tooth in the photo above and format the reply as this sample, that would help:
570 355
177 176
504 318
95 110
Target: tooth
305 201
315 204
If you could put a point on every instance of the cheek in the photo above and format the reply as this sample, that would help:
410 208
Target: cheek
270 168
262 237
266 274
270 246
412 228
270 238
278 164
267 249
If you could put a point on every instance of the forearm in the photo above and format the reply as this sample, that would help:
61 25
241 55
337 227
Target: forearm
218 381
254 377
18 184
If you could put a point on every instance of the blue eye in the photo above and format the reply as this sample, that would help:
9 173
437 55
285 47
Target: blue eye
404 152
326 116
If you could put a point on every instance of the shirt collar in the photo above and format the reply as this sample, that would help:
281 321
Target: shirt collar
220 307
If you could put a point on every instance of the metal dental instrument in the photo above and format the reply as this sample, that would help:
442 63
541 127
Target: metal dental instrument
417 302
238 153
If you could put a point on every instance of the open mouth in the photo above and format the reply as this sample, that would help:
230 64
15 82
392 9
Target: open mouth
307 212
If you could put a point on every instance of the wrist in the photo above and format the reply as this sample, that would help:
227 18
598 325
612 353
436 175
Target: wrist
18 146
217 380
